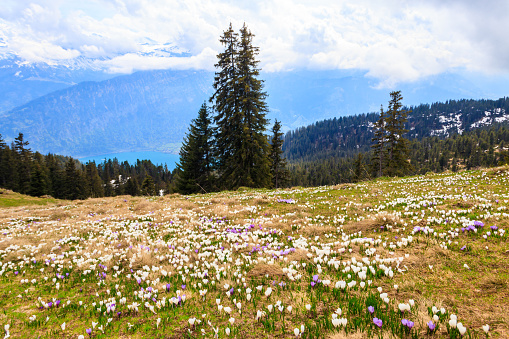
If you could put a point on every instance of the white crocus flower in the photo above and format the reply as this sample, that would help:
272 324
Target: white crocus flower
461 328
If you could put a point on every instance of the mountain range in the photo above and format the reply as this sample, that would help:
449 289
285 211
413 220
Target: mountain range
79 109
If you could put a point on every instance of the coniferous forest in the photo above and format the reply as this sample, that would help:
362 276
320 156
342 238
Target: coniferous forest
32 173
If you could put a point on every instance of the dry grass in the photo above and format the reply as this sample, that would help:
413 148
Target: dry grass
374 223
266 270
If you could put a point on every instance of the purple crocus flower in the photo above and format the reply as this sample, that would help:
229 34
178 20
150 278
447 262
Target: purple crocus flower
494 228
478 223
463 248
168 287
431 325
371 309
232 290
313 284
315 277
378 322
407 323
57 303
89 331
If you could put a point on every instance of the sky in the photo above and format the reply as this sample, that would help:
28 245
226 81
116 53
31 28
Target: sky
391 40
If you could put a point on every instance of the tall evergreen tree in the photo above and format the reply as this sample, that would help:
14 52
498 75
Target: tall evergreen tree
5 163
38 184
358 168
253 108
56 176
95 187
239 102
225 104
148 186
379 146
74 183
195 163
24 161
132 187
396 161
278 170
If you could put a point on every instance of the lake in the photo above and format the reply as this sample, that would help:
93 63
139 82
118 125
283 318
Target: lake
157 158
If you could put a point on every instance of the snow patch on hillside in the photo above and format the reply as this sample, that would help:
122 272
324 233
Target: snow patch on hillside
450 123
498 115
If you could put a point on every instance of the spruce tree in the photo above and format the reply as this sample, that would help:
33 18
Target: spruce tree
74 183
278 170
24 157
253 108
358 174
132 187
225 105
5 163
39 186
396 161
195 165
239 103
95 187
379 146
148 186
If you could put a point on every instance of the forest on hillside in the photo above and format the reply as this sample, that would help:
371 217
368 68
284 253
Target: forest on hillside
346 136
32 173
486 147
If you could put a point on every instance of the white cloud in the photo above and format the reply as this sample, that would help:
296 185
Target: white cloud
131 62
393 40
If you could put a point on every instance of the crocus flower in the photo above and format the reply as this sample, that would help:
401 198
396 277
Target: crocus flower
371 309
407 323
431 325
378 322
89 331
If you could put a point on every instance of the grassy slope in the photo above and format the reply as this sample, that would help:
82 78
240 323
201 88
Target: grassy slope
463 272
11 199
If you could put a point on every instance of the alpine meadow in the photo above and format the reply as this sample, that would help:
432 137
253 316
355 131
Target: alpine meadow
378 225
